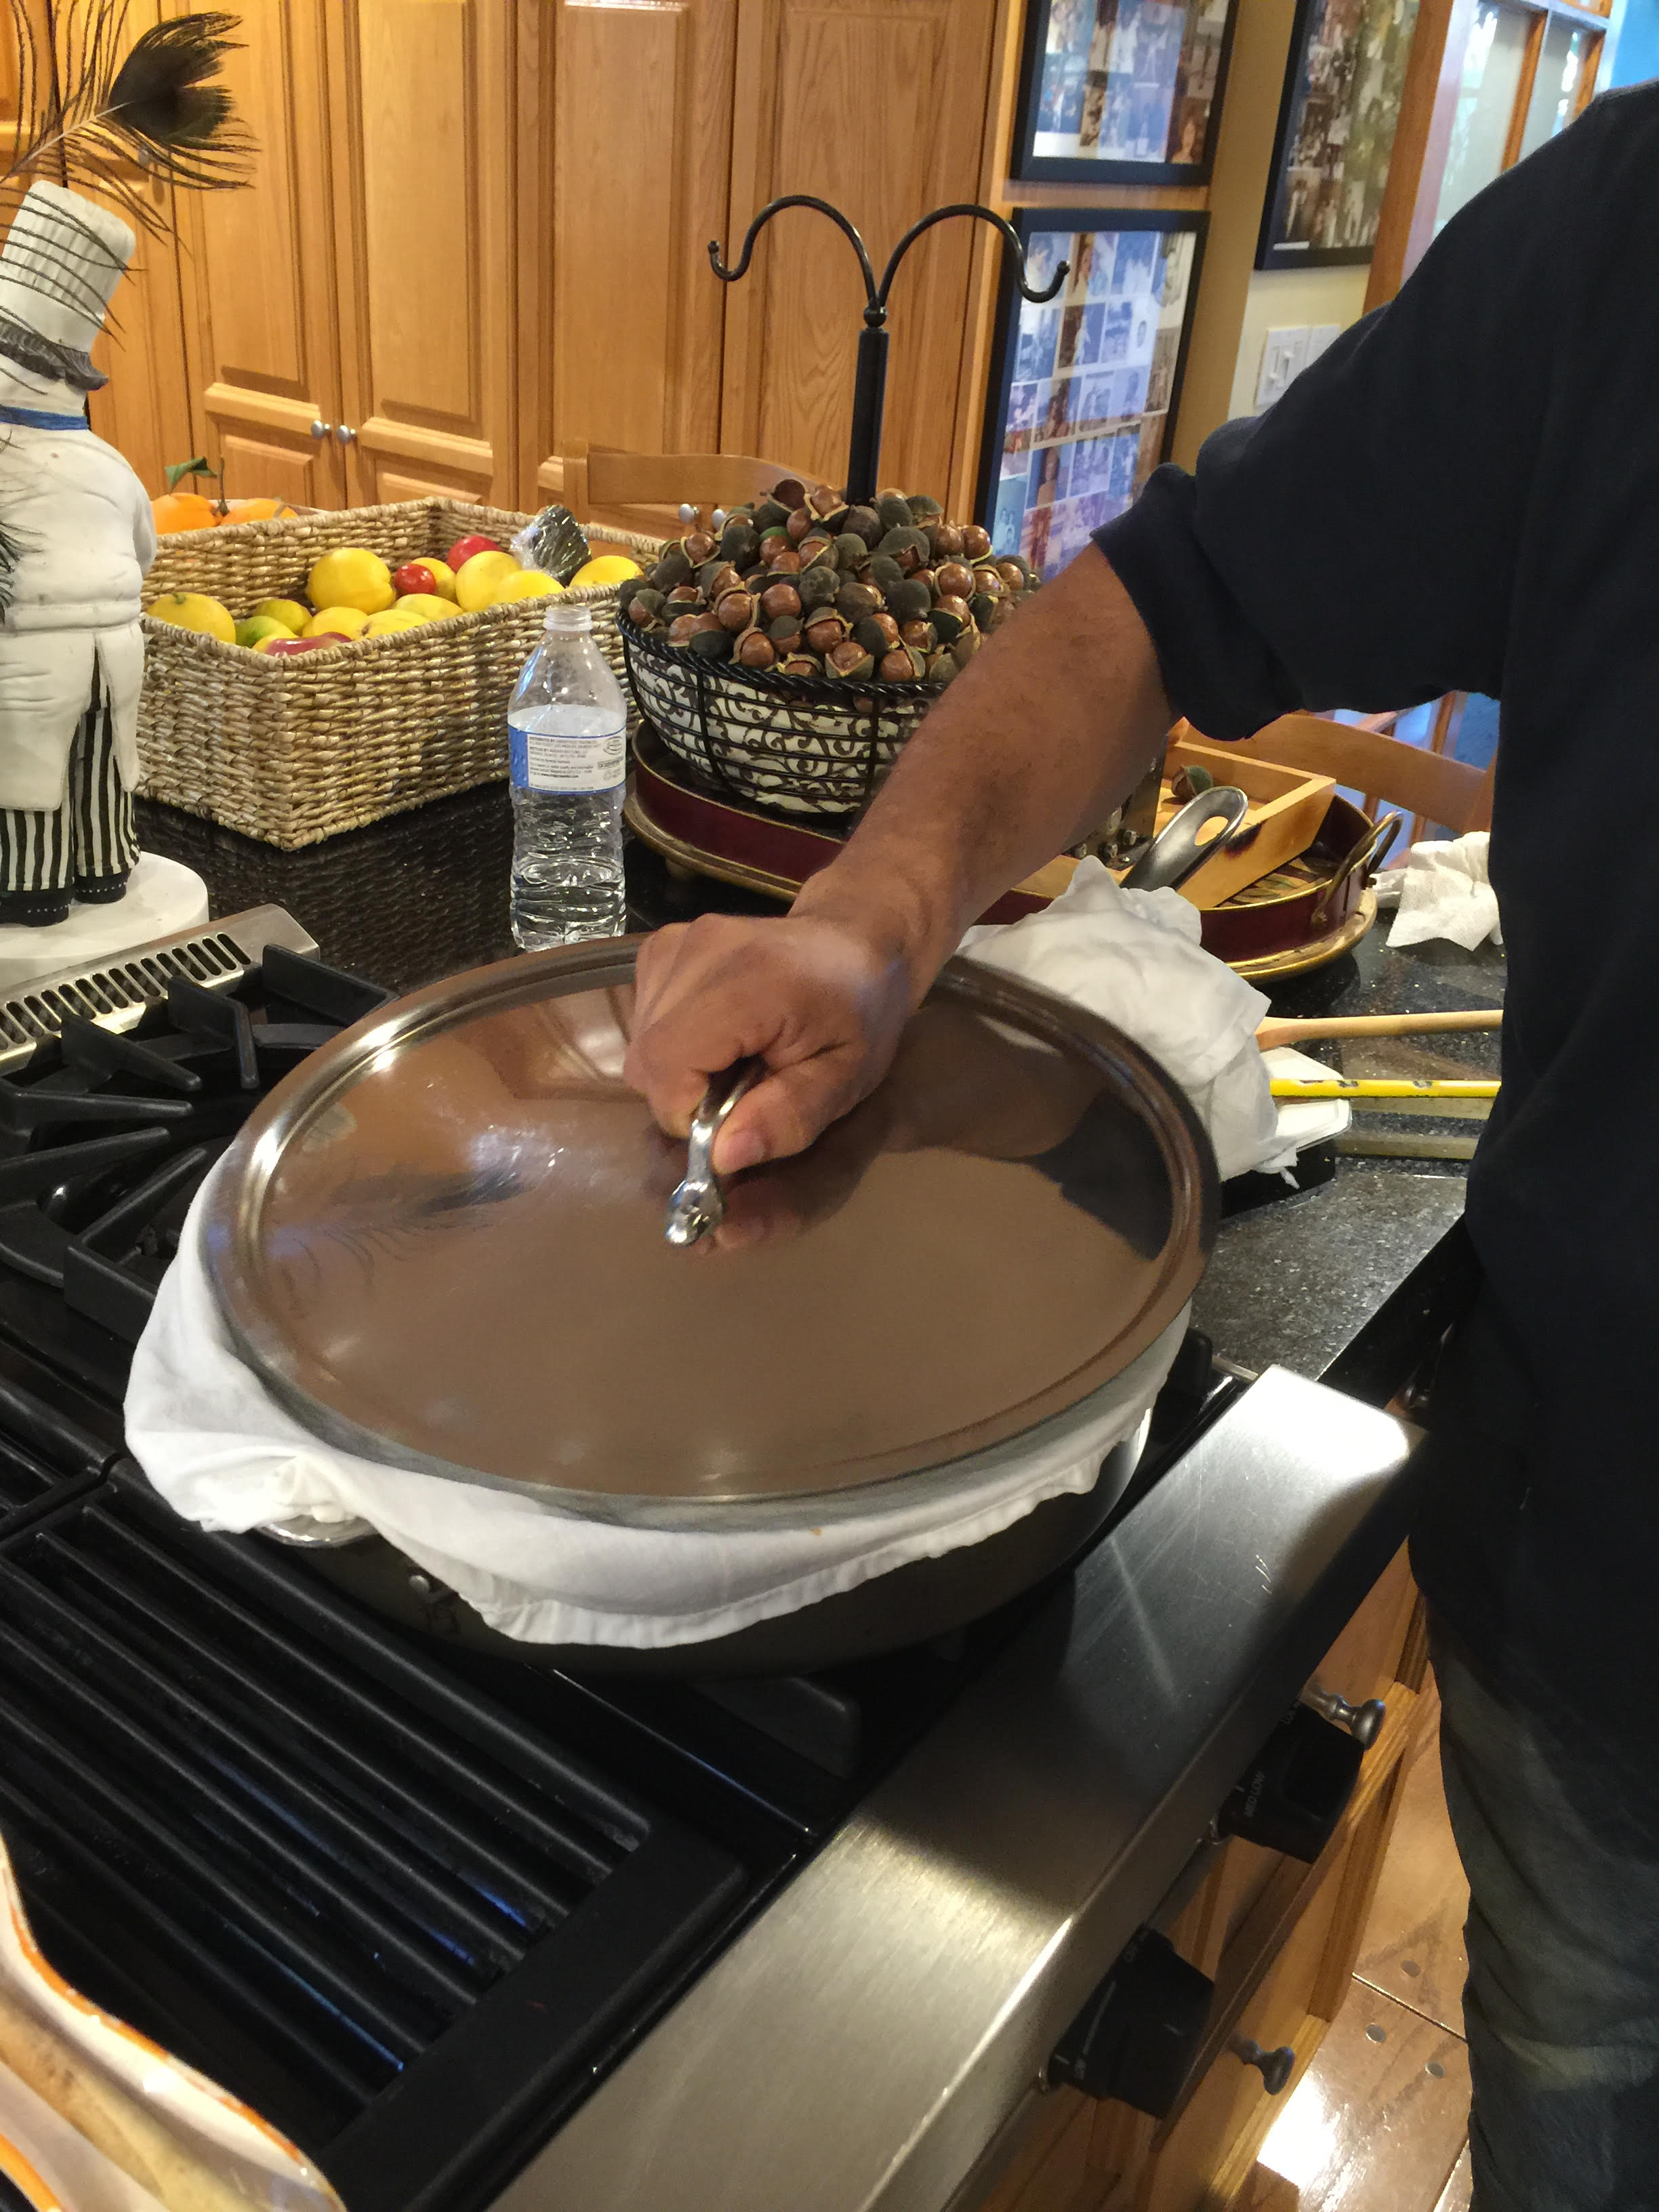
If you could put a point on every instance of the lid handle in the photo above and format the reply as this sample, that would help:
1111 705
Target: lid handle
699 1205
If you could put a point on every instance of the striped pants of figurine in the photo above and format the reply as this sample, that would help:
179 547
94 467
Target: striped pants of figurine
84 849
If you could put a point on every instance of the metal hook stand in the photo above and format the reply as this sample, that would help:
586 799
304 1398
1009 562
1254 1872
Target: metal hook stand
870 386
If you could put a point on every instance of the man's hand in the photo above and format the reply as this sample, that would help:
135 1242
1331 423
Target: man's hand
818 1000
1033 744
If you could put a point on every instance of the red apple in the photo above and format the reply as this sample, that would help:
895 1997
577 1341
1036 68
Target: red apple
415 576
286 647
463 547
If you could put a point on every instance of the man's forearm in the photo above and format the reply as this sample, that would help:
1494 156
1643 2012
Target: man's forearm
1042 734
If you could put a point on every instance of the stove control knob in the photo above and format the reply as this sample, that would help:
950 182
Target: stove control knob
1292 1795
1275 2067
1363 1723
1137 2037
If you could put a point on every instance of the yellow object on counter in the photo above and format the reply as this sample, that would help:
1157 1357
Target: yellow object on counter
605 569
1338 1086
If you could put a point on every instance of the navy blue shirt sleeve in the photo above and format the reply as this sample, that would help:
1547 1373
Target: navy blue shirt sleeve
1355 546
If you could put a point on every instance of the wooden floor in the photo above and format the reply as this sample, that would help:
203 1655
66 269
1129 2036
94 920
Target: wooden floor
1380 2121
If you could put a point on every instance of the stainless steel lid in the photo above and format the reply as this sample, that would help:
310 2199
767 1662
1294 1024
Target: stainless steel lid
440 1241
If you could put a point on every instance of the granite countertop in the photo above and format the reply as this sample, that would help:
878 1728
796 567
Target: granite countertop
1293 1281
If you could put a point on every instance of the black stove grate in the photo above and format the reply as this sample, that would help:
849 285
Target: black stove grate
105 1137
257 1824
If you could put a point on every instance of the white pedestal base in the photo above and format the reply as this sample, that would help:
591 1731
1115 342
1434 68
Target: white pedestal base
162 896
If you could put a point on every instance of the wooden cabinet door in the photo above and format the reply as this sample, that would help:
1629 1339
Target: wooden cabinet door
256 270
634 162
422 107
880 109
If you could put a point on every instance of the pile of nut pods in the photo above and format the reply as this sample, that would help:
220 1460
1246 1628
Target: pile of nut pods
808 586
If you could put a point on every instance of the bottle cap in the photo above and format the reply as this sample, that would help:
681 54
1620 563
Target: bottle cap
568 620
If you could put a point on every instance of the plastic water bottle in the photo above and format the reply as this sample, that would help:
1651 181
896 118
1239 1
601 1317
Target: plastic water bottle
568 748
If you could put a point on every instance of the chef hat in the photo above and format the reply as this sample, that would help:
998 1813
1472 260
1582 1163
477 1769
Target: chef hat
61 262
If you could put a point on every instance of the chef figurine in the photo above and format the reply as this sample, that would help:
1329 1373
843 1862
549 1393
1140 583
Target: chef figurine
77 536
76 529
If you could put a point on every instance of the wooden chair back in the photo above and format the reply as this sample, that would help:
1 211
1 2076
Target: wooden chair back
1423 783
599 484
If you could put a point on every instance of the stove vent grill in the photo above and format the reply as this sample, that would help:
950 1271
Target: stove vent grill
116 992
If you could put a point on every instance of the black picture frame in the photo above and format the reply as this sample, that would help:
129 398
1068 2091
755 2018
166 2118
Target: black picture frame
1103 348
1087 169
1277 247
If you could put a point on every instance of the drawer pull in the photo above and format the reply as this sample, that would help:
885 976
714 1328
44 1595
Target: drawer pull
1275 2067
1363 1723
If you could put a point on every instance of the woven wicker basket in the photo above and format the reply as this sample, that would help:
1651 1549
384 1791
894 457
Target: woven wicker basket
296 750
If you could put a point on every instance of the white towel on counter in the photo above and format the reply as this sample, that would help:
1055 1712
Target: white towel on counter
1135 957
1443 889
221 1448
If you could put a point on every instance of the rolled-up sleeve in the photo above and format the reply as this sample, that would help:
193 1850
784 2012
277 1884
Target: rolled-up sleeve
1357 544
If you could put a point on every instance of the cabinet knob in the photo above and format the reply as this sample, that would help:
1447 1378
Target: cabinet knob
1363 1723
344 433
320 429
1275 2067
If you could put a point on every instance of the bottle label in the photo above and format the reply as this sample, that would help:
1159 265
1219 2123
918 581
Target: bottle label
544 760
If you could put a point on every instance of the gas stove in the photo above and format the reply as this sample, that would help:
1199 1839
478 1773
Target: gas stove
414 1901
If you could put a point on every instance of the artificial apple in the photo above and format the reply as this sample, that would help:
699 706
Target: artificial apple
415 576
284 647
463 547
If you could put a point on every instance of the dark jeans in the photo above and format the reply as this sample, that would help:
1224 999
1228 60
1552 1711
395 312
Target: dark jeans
1561 2006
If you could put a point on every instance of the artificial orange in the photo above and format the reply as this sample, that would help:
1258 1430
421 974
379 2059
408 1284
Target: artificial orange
182 510
260 510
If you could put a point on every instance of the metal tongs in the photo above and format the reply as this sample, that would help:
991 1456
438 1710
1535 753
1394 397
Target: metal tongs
699 1204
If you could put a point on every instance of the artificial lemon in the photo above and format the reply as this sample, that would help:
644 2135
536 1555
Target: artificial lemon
427 605
261 626
392 619
195 611
606 569
481 577
443 577
528 584
351 577
289 612
346 621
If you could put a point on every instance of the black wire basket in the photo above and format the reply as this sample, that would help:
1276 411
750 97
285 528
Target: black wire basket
796 745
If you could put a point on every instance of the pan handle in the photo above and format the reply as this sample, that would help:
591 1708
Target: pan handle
1370 849
1179 850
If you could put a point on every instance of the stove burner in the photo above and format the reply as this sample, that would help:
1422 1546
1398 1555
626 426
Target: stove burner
409 1900
104 1138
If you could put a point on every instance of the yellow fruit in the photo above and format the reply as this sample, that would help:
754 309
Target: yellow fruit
528 584
606 569
261 626
427 605
291 615
349 622
393 619
195 611
351 577
481 577
443 577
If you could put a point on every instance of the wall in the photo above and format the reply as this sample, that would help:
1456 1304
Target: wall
1280 299
1635 58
